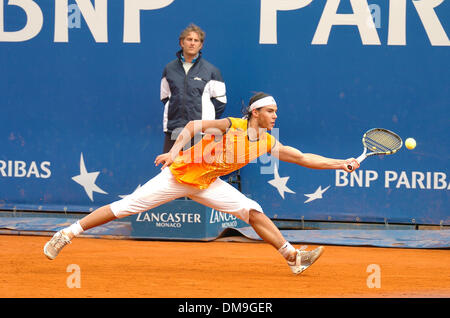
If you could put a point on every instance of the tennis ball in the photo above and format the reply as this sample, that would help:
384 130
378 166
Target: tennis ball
410 143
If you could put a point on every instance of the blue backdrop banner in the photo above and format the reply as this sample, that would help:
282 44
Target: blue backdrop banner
81 116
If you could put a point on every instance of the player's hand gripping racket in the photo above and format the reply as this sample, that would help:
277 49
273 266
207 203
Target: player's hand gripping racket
379 141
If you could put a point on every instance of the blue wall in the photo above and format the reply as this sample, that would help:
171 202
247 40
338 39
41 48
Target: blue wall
97 97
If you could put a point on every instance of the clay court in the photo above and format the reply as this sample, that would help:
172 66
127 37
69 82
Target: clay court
163 269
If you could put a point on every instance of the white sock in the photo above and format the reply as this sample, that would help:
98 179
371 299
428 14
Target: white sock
286 250
74 230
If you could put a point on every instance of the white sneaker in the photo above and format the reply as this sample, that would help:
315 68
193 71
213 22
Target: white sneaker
305 259
55 245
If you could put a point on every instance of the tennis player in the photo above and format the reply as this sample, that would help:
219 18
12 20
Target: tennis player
228 144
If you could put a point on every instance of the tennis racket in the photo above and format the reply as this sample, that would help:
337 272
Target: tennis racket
379 141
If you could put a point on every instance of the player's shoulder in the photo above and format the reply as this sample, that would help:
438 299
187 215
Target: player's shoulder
236 123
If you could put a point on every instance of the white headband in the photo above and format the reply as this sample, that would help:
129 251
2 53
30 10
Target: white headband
266 101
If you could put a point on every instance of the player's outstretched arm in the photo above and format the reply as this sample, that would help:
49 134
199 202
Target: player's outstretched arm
309 160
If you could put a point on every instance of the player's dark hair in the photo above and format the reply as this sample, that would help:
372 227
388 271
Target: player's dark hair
257 96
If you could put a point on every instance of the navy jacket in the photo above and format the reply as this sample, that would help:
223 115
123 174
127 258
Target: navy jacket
199 94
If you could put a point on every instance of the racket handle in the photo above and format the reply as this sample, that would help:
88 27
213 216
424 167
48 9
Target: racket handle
359 159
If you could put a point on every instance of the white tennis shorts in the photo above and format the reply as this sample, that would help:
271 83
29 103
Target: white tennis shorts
163 188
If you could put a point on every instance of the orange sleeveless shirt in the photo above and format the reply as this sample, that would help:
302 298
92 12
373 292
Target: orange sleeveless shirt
216 156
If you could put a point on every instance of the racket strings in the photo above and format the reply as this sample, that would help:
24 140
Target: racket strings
373 145
382 141
386 141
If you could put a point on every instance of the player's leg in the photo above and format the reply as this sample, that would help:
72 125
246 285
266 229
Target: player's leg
63 237
223 197
159 190
268 231
298 260
98 217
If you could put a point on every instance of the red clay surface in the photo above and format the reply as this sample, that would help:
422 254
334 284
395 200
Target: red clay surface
161 269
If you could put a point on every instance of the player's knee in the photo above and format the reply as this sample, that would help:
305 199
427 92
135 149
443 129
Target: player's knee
254 216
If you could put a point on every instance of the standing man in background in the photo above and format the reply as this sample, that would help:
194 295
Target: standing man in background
191 87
